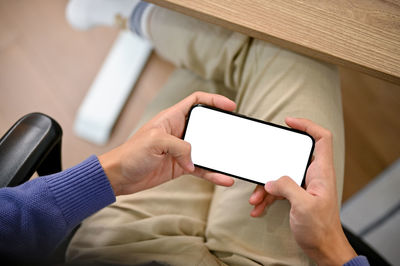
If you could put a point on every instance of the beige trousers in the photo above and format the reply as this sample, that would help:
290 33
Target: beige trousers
189 221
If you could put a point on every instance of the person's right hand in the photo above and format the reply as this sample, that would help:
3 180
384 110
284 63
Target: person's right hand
156 153
314 213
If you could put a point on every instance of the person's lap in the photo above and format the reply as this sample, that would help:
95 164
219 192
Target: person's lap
166 223
188 220
271 88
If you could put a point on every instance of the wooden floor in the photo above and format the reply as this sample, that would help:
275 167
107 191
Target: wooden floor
46 66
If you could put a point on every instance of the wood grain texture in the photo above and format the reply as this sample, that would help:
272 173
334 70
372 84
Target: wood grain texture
361 35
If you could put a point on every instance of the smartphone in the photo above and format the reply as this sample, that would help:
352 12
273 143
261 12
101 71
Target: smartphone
246 148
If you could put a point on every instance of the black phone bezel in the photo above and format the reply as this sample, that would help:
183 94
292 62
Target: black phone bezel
255 120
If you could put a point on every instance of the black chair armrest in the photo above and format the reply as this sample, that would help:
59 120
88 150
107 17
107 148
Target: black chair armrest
32 144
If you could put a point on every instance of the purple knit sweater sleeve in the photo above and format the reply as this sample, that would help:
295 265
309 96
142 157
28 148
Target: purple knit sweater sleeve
357 261
37 215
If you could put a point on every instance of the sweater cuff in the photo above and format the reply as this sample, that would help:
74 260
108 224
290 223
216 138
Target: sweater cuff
81 190
357 261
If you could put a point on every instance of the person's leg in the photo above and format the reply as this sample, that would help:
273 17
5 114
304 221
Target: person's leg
212 52
165 224
271 89
270 83
267 82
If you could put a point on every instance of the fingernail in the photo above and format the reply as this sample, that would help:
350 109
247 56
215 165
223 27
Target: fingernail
252 197
190 167
268 186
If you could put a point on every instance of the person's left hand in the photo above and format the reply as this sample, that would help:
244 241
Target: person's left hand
156 153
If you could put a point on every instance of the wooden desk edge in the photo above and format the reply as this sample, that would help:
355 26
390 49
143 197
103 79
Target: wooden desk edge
277 41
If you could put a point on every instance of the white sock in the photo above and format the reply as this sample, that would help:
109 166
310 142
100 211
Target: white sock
86 14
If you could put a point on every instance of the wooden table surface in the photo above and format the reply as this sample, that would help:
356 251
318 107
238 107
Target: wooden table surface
361 35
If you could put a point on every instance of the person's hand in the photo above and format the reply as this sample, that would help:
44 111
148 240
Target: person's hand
314 213
156 153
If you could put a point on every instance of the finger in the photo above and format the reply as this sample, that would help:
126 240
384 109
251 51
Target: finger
260 208
287 188
316 131
258 195
323 137
216 178
179 149
214 100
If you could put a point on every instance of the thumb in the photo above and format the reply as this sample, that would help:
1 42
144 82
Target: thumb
180 150
287 188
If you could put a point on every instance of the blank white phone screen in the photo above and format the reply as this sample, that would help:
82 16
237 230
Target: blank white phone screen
245 148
